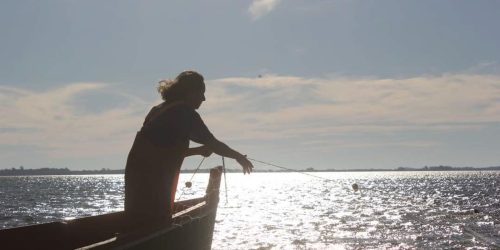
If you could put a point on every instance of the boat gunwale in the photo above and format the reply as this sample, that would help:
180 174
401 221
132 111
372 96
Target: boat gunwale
66 233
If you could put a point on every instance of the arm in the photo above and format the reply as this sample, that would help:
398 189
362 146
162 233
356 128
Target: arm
222 149
202 135
202 150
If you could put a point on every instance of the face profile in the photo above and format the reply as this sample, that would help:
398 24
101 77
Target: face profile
196 98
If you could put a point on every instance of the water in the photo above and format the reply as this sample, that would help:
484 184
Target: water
392 210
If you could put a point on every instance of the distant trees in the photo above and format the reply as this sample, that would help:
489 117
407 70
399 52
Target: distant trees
21 171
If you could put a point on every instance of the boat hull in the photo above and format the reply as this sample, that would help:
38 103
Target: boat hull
192 228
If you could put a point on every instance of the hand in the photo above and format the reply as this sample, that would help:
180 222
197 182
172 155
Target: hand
205 151
245 163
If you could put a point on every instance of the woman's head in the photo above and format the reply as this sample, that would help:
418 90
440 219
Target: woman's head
188 86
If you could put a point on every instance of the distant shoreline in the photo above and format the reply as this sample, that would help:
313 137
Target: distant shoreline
65 171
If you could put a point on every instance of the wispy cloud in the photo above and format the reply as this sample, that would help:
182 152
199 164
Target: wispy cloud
273 107
259 8
317 113
50 121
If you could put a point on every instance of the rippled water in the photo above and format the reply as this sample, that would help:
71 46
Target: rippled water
392 210
36 199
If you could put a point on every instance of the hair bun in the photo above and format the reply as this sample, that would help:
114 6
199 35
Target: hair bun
184 83
163 85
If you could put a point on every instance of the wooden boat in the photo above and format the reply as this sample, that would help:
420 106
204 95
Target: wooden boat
192 228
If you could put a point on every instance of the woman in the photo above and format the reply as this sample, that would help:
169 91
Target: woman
156 156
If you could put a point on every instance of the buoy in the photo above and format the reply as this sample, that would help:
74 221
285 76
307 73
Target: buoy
188 184
355 187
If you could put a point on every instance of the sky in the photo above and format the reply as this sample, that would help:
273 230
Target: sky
327 84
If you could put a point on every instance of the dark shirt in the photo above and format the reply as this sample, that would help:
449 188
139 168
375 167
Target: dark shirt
175 125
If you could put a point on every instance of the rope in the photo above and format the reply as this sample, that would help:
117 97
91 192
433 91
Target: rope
479 236
300 172
225 179
289 169
254 160
195 171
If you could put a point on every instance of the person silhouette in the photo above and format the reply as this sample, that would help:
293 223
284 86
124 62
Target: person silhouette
160 146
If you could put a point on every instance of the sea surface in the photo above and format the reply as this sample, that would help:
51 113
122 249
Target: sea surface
391 210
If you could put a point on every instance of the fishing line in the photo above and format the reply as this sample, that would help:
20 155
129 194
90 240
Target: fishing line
289 169
189 183
225 179
481 237
355 186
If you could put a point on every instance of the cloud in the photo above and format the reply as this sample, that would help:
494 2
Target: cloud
50 122
313 114
272 107
259 8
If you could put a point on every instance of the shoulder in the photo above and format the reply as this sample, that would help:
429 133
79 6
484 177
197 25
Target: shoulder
173 107
183 113
183 108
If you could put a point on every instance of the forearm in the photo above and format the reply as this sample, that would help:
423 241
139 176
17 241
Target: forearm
192 151
222 149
